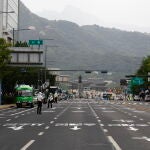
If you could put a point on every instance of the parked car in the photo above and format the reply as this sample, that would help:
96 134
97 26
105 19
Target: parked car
136 98
147 98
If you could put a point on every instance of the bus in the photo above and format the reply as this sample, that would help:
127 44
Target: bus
24 95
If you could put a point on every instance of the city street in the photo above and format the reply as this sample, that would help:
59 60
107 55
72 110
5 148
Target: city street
77 124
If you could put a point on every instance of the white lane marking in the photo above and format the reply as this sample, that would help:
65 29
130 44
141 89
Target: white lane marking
133 129
141 119
137 111
78 111
89 124
117 147
2 117
109 111
16 116
51 122
48 111
16 128
114 125
55 118
22 112
5 109
121 120
142 125
41 133
27 145
141 138
105 130
8 120
101 125
75 128
47 127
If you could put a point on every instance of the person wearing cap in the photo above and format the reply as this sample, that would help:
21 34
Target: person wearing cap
39 103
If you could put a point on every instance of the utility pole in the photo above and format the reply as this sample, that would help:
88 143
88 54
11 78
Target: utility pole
80 85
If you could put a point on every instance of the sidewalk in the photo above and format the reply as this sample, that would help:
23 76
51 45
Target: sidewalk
6 106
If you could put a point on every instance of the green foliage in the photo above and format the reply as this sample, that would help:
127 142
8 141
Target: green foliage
143 71
5 56
21 44
145 66
23 75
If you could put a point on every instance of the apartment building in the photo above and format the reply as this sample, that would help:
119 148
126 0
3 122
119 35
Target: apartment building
8 20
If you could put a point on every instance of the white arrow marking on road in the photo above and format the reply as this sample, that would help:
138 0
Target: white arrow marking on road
75 128
133 129
16 128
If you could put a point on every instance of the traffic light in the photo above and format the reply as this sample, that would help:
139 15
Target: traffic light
88 71
104 71
80 79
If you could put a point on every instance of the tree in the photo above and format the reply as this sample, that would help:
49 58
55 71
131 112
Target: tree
143 72
5 56
145 66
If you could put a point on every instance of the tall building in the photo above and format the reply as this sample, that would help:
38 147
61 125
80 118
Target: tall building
8 20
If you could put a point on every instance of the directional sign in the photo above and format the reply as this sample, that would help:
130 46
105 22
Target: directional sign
137 81
35 42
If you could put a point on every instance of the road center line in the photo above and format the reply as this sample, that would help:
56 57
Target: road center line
27 145
117 147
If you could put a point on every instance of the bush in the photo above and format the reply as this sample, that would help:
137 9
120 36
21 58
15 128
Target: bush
8 100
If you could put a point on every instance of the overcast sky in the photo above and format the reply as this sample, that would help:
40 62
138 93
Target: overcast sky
127 13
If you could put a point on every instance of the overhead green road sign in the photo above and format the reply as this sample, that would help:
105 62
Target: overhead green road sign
137 81
35 42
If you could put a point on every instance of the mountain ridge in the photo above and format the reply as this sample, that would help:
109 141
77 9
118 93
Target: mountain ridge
86 47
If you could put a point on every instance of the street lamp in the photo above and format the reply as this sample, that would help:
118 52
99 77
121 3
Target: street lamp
14 33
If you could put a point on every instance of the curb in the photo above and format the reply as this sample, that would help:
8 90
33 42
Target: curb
7 106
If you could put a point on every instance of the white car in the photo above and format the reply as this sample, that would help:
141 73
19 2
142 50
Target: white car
147 98
136 98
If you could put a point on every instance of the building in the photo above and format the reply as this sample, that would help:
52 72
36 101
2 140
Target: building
26 56
9 14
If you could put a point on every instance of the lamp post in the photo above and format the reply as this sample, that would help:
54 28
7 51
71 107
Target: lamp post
14 33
